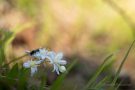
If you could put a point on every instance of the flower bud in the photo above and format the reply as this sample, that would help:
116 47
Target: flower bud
62 69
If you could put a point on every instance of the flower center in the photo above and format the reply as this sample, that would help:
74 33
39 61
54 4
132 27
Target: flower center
32 63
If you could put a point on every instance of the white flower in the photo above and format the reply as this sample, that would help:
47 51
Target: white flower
40 53
33 65
43 54
56 60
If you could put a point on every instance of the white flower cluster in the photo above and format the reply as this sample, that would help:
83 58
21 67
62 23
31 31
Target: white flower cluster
42 55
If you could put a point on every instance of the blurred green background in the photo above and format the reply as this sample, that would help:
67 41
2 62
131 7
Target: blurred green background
87 30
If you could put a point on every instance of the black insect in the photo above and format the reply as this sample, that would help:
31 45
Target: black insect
34 51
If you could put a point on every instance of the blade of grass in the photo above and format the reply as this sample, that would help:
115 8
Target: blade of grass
16 30
122 63
60 79
2 54
98 71
6 36
102 82
117 87
107 67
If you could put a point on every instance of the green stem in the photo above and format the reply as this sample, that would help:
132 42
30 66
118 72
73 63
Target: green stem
16 59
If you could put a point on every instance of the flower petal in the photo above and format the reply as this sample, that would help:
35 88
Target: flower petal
39 61
37 55
51 56
43 57
59 56
33 70
56 69
43 53
62 62
26 64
